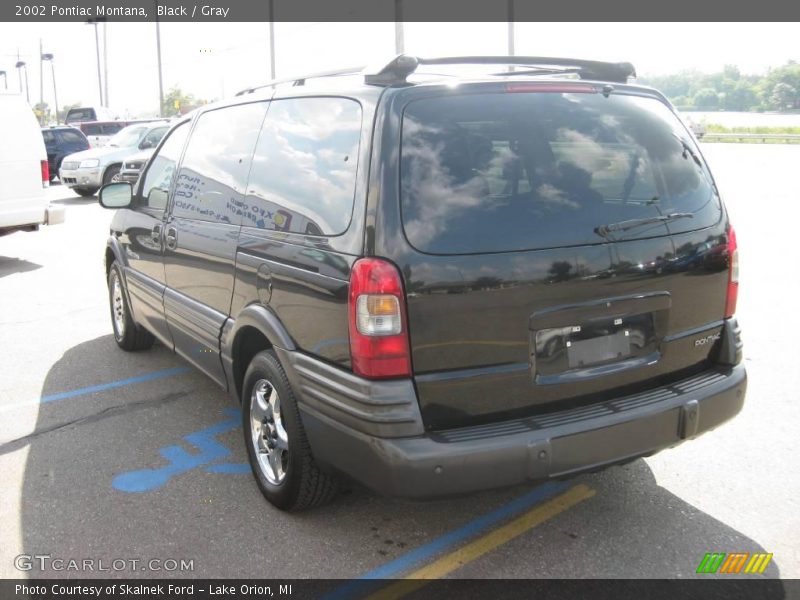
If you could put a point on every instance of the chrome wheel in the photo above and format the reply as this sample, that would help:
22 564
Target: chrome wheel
117 307
268 435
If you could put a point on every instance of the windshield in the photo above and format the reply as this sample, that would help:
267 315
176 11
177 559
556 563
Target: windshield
129 136
520 171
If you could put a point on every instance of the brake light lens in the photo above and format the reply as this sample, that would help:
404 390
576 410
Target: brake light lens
45 173
379 347
553 88
733 274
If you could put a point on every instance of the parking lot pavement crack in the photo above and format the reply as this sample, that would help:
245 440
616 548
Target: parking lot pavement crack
105 413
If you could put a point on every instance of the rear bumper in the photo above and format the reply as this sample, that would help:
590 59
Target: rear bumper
555 445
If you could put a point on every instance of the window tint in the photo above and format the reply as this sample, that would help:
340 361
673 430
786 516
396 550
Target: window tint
214 171
81 114
92 129
112 128
154 190
304 169
503 172
49 137
71 137
153 137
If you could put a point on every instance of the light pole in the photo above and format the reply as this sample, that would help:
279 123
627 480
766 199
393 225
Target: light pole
271 39
97 48
5 79
49 58
21 65
399 38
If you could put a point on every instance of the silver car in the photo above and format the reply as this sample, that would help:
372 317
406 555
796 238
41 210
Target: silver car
85 172
133 165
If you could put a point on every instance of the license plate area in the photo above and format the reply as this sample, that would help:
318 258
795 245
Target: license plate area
581 350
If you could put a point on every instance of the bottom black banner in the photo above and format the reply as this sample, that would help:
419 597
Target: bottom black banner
413 589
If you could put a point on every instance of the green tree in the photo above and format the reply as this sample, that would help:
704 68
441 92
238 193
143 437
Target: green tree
783 96
706 99
175 101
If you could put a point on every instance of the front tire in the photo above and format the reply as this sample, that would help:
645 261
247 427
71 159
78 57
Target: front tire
85 192
128 335
277 447
111 174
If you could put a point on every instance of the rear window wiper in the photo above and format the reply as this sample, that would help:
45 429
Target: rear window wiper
688 149
604 230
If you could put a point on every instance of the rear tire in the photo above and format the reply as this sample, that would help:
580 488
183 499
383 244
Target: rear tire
85 192
276 442
128 335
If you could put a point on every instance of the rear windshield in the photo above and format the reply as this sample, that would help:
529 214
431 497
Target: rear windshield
81 114
523 171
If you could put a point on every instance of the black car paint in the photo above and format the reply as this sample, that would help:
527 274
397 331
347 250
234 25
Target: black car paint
472 334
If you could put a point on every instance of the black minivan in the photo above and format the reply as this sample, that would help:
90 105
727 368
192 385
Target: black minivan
435 283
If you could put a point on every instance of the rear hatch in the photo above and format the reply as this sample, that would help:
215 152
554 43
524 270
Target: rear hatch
566 244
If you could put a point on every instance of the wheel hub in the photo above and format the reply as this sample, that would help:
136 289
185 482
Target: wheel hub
270 441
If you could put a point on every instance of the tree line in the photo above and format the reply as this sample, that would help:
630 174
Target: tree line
729 89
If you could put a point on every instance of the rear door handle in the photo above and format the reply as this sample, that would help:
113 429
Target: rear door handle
156 233
172 237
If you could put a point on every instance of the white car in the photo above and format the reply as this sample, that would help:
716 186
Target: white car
24 172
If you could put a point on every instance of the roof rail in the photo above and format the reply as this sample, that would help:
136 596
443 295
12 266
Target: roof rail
301 80
399 68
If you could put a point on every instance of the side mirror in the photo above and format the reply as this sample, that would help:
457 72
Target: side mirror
116 195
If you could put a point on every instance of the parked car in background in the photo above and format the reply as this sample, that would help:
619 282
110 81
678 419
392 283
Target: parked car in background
132 166
24 170
61 141
299 244
86 171
698 128
100 132
89 113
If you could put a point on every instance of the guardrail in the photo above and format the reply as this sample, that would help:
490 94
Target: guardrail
787 138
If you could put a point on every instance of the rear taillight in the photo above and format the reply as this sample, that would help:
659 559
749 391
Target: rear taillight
45 173
378 332
733 274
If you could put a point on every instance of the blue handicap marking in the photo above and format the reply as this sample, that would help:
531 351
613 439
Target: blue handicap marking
181 461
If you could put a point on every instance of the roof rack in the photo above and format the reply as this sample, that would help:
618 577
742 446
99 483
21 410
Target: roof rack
302 79
398 69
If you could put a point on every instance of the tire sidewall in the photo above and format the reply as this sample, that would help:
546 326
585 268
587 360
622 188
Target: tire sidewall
114 272
265 365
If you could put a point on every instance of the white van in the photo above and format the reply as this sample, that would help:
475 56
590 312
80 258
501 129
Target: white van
23 170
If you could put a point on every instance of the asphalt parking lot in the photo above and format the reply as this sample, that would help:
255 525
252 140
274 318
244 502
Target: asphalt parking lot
108 455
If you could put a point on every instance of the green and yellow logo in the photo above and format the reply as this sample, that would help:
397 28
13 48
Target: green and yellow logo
734 563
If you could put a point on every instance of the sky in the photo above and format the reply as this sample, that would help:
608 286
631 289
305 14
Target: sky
216 60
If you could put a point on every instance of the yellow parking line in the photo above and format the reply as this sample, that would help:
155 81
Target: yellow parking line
477 548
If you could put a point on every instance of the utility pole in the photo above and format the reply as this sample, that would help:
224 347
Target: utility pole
511 27
160 79
105 61
399 41
93 23
41 83
271 39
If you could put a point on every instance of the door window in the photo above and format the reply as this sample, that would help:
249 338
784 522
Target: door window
214 171
304 169
154 191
